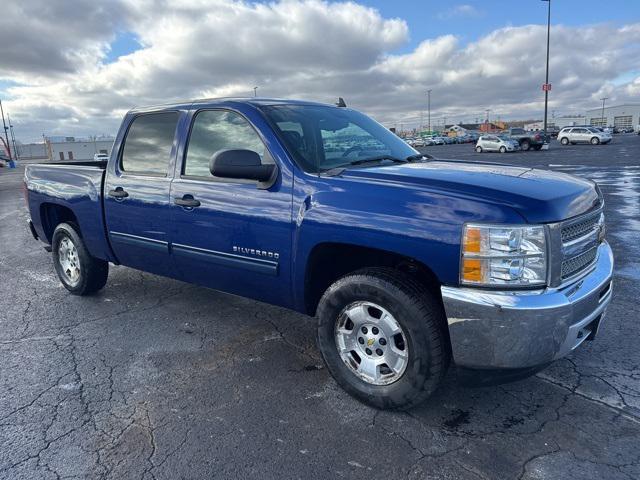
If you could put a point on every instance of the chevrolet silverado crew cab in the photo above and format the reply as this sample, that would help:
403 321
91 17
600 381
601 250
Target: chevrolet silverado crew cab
409 263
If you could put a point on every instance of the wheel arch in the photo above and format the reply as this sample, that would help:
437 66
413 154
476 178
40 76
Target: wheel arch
52 215
330 261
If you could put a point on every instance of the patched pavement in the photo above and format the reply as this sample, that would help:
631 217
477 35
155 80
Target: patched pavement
154 378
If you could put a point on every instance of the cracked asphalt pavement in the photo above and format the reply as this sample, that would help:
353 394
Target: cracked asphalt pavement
157 379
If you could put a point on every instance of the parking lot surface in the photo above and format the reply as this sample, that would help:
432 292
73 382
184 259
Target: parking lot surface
154 378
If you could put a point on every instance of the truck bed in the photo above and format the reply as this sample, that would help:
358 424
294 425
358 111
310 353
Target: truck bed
55 190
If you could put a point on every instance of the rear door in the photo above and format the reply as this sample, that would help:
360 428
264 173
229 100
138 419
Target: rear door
491 142
235 237
578 135
137 193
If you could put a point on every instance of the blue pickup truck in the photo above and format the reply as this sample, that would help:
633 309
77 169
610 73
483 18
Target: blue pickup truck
409 263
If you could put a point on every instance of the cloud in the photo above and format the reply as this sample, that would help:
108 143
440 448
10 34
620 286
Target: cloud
460 11
299 49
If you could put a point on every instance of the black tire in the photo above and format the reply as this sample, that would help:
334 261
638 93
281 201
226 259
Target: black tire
93 272
503 149
420 315
525 145
595 140
538 147
564 141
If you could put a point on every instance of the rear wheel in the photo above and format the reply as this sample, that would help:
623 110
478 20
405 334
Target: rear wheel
479 149
564 141
525 145
382 337
503 149
595 141
79 272
537 147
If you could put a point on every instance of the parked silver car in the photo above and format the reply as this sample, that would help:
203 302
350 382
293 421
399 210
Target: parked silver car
573 135
494 143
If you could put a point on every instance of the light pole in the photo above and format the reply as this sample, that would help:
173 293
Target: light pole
429 110
546 82
13 137
255 91
6 136
602 120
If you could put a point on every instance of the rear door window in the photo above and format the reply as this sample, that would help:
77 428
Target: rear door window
147 148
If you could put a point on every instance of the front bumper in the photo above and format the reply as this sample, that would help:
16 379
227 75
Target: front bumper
491 330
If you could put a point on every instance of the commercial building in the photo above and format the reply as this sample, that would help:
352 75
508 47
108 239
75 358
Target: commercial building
620 116
70 148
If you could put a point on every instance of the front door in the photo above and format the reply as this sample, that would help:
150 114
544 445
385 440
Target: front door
137 193
229 234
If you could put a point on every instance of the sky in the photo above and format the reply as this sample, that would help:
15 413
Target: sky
75 67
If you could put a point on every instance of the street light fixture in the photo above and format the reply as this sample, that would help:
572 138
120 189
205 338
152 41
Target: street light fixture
255 91
547 87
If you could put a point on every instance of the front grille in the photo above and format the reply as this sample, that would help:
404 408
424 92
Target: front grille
579 229
578 263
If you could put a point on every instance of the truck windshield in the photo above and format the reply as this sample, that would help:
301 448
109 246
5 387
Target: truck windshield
321 138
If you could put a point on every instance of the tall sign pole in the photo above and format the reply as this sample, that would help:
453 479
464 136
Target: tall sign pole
547 87
6 135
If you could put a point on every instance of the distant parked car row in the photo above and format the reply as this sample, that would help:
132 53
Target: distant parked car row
428 140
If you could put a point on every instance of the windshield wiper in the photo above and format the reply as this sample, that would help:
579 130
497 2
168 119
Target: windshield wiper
378 158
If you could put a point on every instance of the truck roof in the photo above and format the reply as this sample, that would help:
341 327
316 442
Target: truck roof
227 101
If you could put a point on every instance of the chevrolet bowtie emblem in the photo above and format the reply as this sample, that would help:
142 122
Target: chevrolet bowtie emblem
370 342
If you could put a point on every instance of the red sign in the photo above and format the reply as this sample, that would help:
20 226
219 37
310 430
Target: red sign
546 87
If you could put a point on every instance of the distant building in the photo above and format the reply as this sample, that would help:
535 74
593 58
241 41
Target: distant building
620 116
77 149
569 121
32 150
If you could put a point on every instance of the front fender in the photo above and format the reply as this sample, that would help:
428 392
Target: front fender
422 225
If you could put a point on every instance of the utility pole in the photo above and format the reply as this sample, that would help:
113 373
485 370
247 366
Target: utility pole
546 83
13 137
44 145
6 135
429 108
602 121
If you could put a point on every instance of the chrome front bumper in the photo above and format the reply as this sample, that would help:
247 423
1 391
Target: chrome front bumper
490 329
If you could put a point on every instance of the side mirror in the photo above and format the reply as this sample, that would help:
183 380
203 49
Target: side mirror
241 164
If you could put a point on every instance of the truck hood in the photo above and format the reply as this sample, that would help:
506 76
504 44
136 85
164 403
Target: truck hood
540 196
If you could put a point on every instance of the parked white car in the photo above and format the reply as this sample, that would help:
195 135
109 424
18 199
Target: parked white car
101 157
573 135
494 143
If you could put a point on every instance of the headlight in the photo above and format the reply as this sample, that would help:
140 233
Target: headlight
507 256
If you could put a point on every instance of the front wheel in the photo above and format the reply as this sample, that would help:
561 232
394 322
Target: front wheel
382 337
78 271
595 141
479 149
525 145
503 149
564 141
